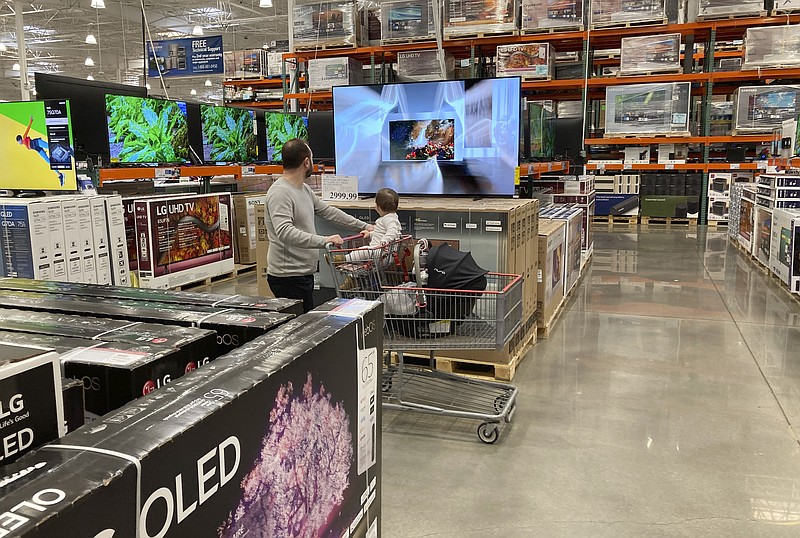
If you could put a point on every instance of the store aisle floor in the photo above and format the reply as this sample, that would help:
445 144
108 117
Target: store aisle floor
666 402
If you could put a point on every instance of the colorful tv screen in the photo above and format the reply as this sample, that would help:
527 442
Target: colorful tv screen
147 131
451 137
280 129
37 149
229 134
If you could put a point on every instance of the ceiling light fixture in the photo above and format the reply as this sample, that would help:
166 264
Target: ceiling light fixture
91 40
88 62
98 4
208 83
193 92
3 47
15 67
197 31
265 3
90 77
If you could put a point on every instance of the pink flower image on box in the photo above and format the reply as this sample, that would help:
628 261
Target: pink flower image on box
297 484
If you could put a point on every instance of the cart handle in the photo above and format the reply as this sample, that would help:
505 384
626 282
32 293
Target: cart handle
516 279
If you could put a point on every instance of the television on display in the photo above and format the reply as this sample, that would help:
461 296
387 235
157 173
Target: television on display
449 137
89 98
321 136
280 129
37 149
229 134
147 130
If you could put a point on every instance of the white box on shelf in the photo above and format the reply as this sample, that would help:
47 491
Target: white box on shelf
614 12
531 60
764 108
546 14
468 17
88 255
117 243
724 8
404 21
650 54
72 236
324 73
100 238
274 64
424 65
25 241
772 46
781 251
319 24
58 252
648 109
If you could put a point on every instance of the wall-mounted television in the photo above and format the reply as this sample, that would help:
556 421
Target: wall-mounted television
36 148
147 130
280 129
229 134
88 97
458 137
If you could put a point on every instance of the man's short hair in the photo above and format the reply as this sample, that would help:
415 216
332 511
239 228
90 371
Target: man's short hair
387 199
295 151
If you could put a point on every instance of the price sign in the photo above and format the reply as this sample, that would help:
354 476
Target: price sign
248 170
168 172
734 166
339 188
669 167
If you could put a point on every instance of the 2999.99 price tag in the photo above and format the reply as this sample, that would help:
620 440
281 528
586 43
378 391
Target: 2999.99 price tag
348 196
339 188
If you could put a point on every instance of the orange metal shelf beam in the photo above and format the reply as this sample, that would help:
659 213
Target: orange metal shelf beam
645 79
258 82
679 140
272 103
122 174
688 166
312 96
755 74
537 169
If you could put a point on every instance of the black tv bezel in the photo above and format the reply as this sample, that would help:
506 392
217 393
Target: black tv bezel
201 153
118 164
466 81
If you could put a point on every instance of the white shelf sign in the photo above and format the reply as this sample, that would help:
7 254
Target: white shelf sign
339 188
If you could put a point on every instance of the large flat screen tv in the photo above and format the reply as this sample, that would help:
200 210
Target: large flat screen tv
281 128
229 134
320 136
88 97
147 130
458 137
36 147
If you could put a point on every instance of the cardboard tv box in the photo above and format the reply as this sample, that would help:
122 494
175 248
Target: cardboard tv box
233 327
245 226
195 346
233 449
552 255
31 407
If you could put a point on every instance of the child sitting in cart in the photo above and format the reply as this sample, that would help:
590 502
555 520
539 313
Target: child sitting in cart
387 226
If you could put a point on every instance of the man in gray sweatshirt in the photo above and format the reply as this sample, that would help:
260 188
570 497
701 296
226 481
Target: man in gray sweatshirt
292 259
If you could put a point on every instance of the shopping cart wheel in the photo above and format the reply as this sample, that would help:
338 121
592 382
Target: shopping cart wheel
488 432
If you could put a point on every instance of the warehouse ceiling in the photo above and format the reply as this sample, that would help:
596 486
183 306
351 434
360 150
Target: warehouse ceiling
56 30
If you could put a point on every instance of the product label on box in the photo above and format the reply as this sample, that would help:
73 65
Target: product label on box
104 356
368 402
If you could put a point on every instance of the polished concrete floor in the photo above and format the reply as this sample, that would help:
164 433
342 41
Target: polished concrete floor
666 402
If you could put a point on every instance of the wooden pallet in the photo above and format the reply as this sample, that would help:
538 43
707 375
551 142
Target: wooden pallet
627 24
486 369
238 270
668 221
717 223
406 40
730 16
611 220
324 46
536 79
650 73
479 35
539 31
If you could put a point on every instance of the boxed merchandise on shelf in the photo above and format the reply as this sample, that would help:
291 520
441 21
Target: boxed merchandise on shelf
541 131
475 18
405 21
529 61
764 108
786 6
283 436
616 204
746 220
772 46
783 257
250 63
275 66
626 183
673 184
763 234
721 117
719 184
229 63
33 408
25 240
650 54
119 265
729 64
547 14
74 403
648 109
552 247
620 12
663 206
245 226
318 25
325 73
725 8
424 65
574 231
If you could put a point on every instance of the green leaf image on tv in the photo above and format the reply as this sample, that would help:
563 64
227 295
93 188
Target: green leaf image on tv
228 134
785 250
146 130
280 129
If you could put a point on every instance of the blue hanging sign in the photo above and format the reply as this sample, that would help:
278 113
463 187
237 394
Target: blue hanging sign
186 57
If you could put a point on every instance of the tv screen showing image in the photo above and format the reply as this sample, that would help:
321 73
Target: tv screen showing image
146 130
37 148
229 134
280 129
450 137
772 105
649 107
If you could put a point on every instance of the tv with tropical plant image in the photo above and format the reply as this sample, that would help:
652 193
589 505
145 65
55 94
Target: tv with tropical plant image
280 129
229 134
145 130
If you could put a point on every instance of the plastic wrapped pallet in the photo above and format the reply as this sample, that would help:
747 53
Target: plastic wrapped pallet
648 109
541 129
772 46
275 64
407 20
424 65
651 54
475 17
760 109
326 24
724 8
615 12
734 210
786 6
547 14
324 73
531 60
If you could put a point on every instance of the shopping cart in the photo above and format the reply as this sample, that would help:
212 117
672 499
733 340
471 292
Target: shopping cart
418 318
